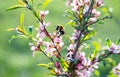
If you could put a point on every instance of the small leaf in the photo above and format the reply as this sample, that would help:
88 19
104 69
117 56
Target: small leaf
48 67
22 20
13 37
118 41
32 1
23 2
97 73
104 63
38 5
64 64
69 12
11 29
110 61
89 35
15 7
109 42
21 27
44 65
97 48
105 9
100 22
112 74
46 3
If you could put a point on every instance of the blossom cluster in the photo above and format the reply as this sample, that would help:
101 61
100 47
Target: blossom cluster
85 67
82 7
52 48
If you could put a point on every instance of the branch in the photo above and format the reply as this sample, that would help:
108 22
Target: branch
84 24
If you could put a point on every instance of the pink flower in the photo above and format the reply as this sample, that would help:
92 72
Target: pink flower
80 56
49 48
35 48
42 32
43 13
43 25
85 67
114 48
58 41
41 35
68 3
83 73
80 66
52 48
77 4
93 19
95 13
86 7
75 35
99 2
86 1
116 70
57 64
71 47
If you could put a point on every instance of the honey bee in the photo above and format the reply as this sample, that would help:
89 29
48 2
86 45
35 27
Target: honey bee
60 30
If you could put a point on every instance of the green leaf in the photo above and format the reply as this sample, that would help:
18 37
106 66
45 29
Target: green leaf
22 20
100 22
110 61
105 10
13 37
89 35
15 7
64 64
46 3
38 5
109 42
111 74
97 48
48 67
44 65
97 73
21 27
118 41
104 63
32 1
10 29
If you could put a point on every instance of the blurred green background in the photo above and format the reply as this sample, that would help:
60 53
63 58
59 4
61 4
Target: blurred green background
16 58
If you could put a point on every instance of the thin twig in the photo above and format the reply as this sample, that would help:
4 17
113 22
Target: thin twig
89 10
100 59
106 17
77 45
